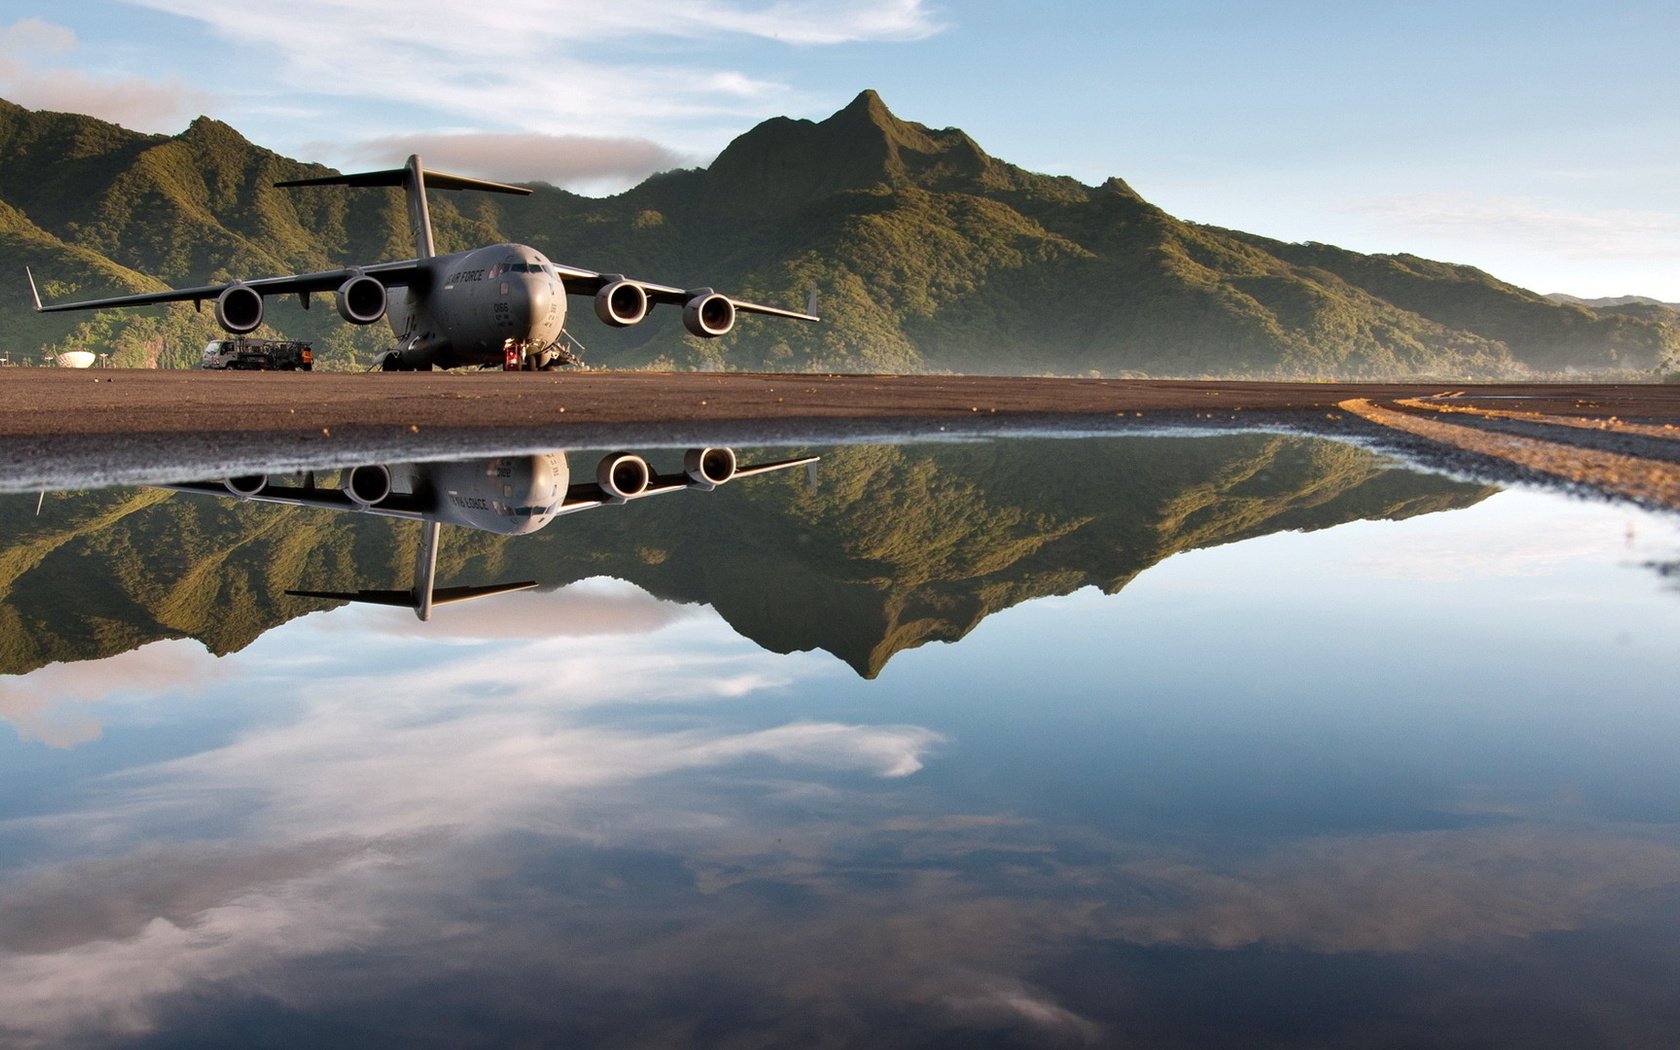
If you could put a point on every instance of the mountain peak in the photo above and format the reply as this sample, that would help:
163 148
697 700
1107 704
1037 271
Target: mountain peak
859 147
868 105
867 123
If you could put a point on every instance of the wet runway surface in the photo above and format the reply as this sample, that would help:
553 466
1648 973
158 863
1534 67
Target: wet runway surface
64 427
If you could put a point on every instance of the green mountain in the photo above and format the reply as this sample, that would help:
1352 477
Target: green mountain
895 546
925 253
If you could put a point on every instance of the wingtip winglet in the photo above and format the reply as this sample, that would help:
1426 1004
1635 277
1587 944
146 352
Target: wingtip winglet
34 293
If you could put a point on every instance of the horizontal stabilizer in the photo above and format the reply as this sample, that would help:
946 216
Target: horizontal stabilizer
435 180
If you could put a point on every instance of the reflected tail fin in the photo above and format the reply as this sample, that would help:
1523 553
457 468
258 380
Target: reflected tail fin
424 595
405 599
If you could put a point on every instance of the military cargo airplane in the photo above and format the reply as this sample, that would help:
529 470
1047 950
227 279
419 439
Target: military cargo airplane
500 305
507 495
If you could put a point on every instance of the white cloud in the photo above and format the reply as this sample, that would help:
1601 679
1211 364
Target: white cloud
443 28
642 67
571 161
32 74
1537 223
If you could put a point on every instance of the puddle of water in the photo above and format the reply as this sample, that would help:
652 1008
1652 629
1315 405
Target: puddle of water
1237 739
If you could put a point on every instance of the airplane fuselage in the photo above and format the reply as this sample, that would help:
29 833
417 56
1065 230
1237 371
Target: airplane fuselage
467 305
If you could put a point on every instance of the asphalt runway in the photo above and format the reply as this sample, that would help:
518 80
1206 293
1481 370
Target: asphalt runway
65 428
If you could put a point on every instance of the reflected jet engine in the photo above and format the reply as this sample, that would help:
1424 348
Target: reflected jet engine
506 495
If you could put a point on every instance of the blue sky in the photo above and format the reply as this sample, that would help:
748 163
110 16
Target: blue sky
1540 141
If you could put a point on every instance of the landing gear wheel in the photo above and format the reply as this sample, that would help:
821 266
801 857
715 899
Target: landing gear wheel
392 362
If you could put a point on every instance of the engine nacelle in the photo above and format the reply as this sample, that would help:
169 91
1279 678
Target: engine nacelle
621 303
708 314
239 309
247 485
368 486
361 299
708 468
623 475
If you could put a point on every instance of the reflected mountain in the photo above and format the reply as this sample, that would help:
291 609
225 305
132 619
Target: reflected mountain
891 548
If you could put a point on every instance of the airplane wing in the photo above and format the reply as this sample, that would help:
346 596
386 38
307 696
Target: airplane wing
588 282
588 495
396 505
390 274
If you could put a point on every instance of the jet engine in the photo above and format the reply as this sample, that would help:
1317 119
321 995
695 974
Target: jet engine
623 475
361 299
247 485
621 303
708 314
368 486
709 467
239 309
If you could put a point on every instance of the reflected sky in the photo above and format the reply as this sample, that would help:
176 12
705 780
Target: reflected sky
1390 783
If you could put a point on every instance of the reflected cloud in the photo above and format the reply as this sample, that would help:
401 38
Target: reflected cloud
586 609
1004 1005
46 705
1417 892
1493 544
339 842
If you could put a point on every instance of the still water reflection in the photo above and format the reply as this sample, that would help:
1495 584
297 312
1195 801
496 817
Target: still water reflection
1192 775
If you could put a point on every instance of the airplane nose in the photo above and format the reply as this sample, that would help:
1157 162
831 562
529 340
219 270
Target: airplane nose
531 304
519 304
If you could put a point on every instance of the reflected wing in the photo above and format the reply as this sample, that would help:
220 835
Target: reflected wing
588 495
391 274
588 282
396 505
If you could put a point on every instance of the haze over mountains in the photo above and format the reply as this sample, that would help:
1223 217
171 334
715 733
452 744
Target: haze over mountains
925 252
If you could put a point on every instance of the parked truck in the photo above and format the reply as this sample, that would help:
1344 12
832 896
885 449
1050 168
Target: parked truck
259 355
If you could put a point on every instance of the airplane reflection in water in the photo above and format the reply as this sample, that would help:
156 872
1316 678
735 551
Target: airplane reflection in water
506 495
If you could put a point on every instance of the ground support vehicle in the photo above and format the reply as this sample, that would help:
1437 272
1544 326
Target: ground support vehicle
258 355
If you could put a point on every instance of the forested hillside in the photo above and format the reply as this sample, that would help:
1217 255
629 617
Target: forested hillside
925 253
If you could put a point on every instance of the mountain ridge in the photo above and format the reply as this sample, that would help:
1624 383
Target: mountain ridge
927 254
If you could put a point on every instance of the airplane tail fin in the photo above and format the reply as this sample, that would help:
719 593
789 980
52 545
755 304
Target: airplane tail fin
415 180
